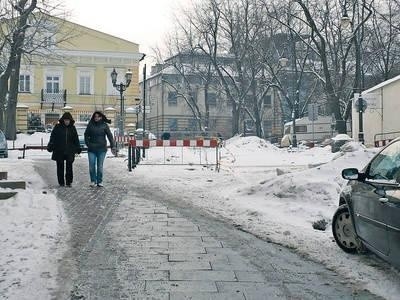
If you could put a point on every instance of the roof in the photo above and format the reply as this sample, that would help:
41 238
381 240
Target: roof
382 84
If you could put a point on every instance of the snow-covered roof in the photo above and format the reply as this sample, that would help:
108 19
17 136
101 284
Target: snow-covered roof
382 84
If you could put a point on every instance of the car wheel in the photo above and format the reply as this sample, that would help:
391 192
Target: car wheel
343 230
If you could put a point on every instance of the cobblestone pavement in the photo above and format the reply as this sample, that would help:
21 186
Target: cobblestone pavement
126 246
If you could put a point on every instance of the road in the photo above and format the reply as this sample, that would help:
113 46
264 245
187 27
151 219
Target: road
129 242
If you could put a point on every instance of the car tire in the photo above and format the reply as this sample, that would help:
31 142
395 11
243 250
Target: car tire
343 230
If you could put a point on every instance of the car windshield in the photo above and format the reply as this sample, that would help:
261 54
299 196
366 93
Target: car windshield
386 164
2 137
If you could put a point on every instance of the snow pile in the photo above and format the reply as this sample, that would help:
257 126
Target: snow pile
342 137
253 151
352 147
300 198
251 143
37 139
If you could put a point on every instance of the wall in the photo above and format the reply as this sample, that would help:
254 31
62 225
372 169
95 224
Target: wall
383 117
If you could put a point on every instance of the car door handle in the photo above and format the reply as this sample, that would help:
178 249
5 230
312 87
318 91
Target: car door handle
383 200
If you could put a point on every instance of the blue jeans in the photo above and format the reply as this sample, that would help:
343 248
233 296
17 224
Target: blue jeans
96 159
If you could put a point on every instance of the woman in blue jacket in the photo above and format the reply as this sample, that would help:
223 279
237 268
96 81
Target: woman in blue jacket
95 140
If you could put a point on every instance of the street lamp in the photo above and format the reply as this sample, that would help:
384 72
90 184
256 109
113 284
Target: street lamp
121 87
138 110
360 103
283 63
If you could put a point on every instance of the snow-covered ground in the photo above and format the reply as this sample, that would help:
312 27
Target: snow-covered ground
268 191
33 230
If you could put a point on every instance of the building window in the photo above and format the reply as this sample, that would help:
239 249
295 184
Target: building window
24 83
173 124
172 98
301 128
267 101
49 42
52 84
212 99
84 83
192 124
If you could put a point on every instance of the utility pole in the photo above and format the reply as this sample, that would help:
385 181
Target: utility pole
144 106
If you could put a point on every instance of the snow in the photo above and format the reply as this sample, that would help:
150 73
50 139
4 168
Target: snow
33 230
271 192
342 137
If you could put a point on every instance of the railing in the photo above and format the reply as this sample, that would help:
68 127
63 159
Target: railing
384 138
136 146
55 99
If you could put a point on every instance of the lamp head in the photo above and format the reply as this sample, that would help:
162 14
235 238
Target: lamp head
345 22
128 77
114 75
283 61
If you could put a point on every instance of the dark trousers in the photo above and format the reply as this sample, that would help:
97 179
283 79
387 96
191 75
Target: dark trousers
68 171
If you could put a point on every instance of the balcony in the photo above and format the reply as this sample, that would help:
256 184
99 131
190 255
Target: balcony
53 99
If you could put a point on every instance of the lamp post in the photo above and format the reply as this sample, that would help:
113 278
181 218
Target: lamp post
121 87
283 63
138 110
360 103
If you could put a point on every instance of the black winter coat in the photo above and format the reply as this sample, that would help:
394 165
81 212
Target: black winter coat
95 136
64 140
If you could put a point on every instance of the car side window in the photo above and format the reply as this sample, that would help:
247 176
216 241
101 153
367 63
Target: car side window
386 165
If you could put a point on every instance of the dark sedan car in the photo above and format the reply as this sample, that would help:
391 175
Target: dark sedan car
369 212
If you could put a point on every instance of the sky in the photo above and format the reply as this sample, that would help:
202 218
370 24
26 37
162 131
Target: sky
143 22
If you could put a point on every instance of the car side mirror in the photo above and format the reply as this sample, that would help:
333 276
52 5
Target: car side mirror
351 174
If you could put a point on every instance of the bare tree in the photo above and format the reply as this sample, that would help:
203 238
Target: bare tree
338 49
381 51
289 60
193 69
24 34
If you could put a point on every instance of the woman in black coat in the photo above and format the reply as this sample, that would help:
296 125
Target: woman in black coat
64 143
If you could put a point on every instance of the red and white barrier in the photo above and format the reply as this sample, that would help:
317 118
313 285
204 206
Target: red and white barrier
382 143
120 139
213 143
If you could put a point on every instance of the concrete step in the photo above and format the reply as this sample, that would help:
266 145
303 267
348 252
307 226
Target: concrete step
3 175
7 195
7 184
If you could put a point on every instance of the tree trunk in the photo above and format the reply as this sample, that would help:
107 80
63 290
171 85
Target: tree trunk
235 119
257 112
206 106
3 101
341 127
11 123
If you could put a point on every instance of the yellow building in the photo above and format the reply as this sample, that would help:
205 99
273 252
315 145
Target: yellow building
75 75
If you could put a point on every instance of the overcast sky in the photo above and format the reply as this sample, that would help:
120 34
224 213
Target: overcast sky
144 22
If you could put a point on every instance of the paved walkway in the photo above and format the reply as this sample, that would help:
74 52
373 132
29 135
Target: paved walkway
127 243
